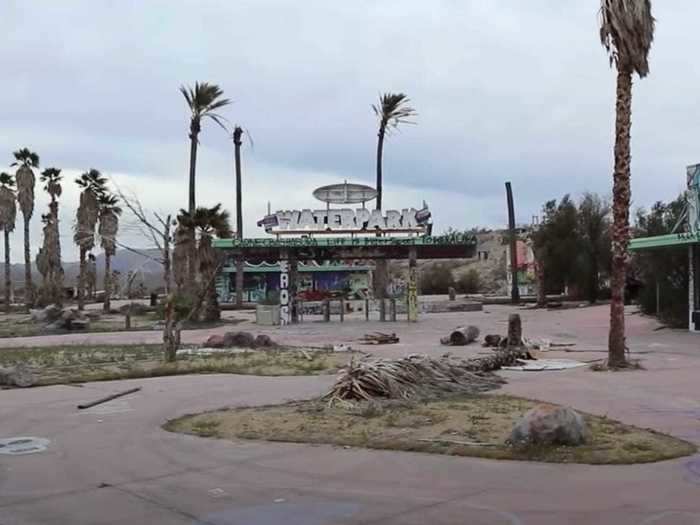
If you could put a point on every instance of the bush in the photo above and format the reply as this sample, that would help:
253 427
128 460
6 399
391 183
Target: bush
182 305
436 279
469 282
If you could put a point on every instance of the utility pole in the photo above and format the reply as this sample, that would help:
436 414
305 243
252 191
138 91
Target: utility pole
514 292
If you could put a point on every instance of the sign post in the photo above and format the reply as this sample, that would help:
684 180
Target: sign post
412 291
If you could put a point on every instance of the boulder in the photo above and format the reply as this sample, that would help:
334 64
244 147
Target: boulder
20 376
214 341
93 315
46 315
79 324
263 341
549 425
238 339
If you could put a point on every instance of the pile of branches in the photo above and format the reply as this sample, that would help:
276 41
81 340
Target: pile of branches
419 376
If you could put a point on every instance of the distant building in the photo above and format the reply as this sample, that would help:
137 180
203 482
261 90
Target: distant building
262 280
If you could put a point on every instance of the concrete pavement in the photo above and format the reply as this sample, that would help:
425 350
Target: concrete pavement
114 464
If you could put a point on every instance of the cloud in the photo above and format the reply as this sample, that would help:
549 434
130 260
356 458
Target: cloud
505 90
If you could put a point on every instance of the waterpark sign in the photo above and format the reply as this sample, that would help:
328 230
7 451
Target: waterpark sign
345 220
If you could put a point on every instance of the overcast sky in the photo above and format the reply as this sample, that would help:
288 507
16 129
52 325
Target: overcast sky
505 90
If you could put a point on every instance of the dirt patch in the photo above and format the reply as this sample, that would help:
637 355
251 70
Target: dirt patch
462 426
78 364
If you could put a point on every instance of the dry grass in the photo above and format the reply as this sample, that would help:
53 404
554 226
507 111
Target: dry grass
462 426
79 364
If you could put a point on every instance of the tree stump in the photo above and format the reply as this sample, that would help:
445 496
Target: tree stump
515 331
452 293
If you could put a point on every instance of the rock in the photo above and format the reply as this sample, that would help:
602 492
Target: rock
20 376
79 324
214 341
263 341
550 425
492 340
46 315
135 308
238 339
93 315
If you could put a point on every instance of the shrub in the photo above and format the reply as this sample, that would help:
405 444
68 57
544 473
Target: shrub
436 279
469 282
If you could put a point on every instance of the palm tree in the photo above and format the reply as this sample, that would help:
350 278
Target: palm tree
26 160
93 185
8 216
203 100
204 225
237 134
626 32
109 226
51 249
392 110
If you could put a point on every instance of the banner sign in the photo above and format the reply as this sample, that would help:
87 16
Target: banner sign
345 219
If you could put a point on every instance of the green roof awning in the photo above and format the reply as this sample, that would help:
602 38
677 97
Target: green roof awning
664 241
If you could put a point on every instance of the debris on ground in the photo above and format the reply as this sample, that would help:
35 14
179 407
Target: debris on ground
492 341
341 348
20 376
540 365
550 425
108 398
239 340
419 375
379 338
461 336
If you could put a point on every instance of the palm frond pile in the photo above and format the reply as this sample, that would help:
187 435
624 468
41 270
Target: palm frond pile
419 376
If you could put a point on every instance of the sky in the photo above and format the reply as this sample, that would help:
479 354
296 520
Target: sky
505 90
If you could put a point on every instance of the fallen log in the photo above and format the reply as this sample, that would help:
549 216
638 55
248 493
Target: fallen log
461 336
379 338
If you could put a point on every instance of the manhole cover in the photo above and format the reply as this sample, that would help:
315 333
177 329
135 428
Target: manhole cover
23 445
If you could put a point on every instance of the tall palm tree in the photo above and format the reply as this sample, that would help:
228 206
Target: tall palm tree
237 135
203 100
108 229
8 217
392 110
26 160
51 249
92 184
626 32
204 225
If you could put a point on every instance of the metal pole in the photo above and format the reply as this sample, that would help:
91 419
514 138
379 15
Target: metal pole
514 292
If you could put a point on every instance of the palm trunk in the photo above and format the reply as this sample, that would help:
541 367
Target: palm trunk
107 282
28 285
240 263
620 229
191 257
380 267
380 154
8 275
81 280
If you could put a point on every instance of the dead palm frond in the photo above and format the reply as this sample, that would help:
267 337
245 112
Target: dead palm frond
419 376
26 160
627 32
109 222
51 177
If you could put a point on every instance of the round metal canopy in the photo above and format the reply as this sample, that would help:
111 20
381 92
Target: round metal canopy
345 193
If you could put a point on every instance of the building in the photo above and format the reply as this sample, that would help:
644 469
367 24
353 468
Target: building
686 238
261 281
